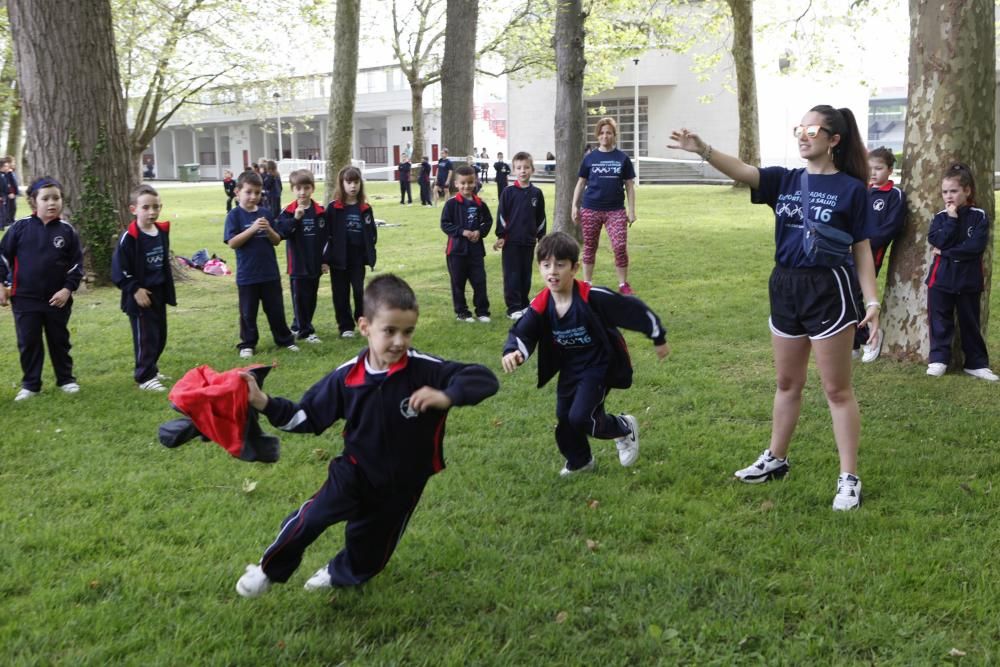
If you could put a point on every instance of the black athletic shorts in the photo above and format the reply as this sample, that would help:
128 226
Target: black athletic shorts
815 302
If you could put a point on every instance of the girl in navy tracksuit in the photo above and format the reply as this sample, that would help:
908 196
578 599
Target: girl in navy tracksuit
814 300
394 402
41 265
958 237
141 269
353 236
272 187
574 327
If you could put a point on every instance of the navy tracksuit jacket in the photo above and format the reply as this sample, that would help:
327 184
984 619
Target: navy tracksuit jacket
306 245
347 268
465 259
520 222
886 215
390 451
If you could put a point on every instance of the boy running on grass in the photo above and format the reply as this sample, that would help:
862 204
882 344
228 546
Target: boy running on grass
394 402
574 327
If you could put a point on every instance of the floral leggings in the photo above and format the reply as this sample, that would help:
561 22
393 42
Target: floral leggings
617 225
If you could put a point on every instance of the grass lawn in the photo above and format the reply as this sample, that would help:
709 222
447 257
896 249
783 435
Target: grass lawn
118 550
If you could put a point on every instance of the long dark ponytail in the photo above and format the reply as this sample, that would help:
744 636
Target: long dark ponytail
850 155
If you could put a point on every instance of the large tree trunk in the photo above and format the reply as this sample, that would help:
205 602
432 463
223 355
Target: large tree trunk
952 52
570 118
458 76
343 90
72 105
746 81
417 111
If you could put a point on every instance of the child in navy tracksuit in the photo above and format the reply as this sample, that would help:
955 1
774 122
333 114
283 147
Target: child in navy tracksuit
503 170
353 236
41 265
405 193
229 187
272 186
249 231
141 269
8 192
958 238
466 219
574 327
303 226
520 223
424 179
394 402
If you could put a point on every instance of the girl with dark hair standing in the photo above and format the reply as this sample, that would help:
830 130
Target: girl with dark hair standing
813 290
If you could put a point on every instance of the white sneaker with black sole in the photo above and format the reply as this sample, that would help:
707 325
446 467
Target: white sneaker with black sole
848 493
765 468
589 466
628 446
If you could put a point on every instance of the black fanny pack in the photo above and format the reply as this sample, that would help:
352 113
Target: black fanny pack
823 244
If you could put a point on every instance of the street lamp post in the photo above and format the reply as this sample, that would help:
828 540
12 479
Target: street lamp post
277 110
635 122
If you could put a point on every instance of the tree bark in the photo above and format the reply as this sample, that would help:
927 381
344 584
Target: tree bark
570 118
746 81
458 76
950 116
343 90
73 113
417 112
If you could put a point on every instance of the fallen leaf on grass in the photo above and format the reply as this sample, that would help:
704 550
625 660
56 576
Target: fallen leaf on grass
593 544
281 645
320 454
249 485
94 584
594 504
497 423
767 505
955 653
562 616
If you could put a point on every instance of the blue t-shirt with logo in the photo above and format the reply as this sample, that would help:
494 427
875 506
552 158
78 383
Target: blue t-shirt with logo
606 173
578 348
839 200
354 224
152 252
444 166
255 259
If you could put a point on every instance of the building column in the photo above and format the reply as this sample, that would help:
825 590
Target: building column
218 153
194 146
263 136
293 140
322 139
173 154
156 159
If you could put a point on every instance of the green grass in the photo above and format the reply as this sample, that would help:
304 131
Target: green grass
117 550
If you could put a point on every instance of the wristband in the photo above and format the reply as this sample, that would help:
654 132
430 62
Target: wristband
873 304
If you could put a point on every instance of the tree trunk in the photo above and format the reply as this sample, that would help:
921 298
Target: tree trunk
952 52
458 77
73 113
570 118
343 90
746 81
417 111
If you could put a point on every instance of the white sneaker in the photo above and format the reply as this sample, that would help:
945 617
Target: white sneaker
25 394
320 580
293 348
516 315
253 582
465 318
313 338
588 467
246 353
153 384
848 493
765 468
628 446
347 334
71 388
982 374
485 319
936 369
872 351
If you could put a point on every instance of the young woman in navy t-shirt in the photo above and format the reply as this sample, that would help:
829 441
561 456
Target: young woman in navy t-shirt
812 306
604 173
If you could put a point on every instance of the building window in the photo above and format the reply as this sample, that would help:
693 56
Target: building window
623 111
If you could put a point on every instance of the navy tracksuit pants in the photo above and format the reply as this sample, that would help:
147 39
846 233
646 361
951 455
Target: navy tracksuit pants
425 193
518 264
472 269
304 291
404 190
941 310
149 337
54 323
580 411
500 188
376 519
346 283
269 295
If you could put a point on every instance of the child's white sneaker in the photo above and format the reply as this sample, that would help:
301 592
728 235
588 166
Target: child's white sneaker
587 467
253 582
936 369
246 353
293 348
321 579
152 384
347 334
848 493
70 388
25 394
313 338
628 446
485 319
982 374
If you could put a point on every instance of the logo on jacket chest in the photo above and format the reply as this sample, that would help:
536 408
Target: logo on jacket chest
59 242
878 204
406 410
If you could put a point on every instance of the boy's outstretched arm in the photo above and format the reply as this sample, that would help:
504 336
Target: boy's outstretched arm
460 384
319 408
629 312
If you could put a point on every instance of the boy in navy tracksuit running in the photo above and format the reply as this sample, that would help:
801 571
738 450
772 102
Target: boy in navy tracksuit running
958 236
466 219
41 265
424 179
303 226
574 327
394 402
520 223
141 269
250 233
503 170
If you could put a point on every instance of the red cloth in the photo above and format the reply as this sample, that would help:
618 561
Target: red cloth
217 404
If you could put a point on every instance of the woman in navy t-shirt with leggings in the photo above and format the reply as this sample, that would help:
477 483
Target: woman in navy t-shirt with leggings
604 173
813 303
